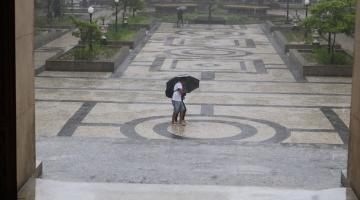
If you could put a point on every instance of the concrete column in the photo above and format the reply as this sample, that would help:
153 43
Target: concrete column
354 143
25 105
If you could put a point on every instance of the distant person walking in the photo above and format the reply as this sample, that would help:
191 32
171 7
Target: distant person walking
180 13
178 104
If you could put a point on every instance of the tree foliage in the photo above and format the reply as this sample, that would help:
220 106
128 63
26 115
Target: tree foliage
332 17
136 5
88 32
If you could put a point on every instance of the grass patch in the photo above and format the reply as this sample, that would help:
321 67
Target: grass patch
297 36
97 52
139 19
121 34
322 56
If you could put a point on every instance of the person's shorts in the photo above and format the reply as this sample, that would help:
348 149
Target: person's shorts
178 106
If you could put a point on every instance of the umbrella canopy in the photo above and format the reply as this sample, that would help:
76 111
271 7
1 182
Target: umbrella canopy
181 8
189 83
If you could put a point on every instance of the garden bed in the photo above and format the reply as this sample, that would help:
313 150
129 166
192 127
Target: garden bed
107 60
139 22
171 8
247 9
289 39
126 37
310 66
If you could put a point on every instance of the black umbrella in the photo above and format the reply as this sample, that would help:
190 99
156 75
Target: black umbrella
189 83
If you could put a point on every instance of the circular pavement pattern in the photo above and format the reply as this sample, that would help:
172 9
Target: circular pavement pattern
201 127
209 33
204 52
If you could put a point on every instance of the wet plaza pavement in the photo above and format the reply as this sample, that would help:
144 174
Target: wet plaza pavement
251 122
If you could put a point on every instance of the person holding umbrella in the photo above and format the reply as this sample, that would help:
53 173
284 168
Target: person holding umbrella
178 103
176 89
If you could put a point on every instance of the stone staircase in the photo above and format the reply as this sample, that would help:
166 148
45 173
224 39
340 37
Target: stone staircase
42 189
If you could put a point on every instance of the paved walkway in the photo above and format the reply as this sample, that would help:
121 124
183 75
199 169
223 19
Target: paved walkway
249 123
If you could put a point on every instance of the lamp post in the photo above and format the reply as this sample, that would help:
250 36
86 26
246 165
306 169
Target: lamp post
124 12
307 3
287 10
90 11
116 14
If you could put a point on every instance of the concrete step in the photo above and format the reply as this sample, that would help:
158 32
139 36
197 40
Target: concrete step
42 189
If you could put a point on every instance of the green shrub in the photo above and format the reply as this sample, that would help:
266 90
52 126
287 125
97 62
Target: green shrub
121 34
324 57
86 53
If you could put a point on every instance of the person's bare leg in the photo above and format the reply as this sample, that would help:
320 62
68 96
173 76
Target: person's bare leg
181 118
174 118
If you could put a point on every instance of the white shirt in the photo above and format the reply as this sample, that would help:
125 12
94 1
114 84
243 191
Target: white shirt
177 95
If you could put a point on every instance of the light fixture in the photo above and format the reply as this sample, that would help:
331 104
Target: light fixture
90 10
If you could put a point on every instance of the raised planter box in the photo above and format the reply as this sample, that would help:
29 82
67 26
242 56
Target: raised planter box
271 26
285 45
48 36
171 8
105 65
247 9
313 69
205 20
133 43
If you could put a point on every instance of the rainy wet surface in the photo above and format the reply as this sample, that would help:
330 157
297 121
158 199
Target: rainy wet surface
250 110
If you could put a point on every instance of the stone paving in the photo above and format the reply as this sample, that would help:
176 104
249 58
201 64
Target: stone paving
247 96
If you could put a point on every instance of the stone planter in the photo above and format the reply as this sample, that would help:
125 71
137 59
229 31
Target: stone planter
133 43
285 45
247 9
313 69
271 27
171 8
103 65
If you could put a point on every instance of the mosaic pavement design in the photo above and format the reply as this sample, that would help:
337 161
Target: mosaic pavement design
247 93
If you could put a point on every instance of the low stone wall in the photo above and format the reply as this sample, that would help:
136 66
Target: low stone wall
311 69
285 45
137 39
271 27
247 9
108 65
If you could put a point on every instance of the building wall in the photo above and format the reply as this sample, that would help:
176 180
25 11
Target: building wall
25 105
354 143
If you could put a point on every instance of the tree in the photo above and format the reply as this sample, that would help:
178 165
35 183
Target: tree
332 17
211 6
136 5
88 32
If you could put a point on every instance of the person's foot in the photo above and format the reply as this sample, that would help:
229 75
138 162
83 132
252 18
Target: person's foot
173 123
183 123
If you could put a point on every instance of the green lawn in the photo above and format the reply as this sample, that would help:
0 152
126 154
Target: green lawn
97 52
121 34
322 56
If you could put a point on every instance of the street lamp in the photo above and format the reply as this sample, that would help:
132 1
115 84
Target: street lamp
116 13
90 11
287 10
307 3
